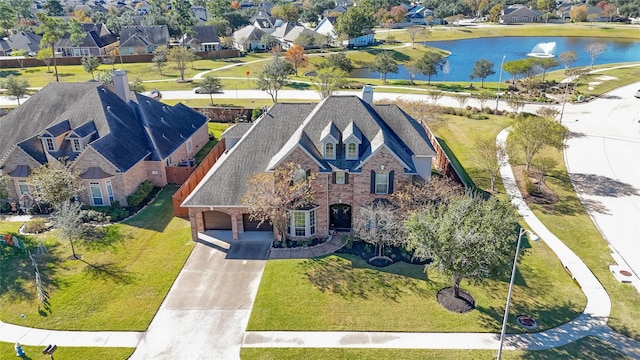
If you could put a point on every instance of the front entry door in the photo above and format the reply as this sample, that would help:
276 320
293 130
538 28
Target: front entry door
340 217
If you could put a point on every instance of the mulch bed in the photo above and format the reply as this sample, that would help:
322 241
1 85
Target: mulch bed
545 197
366 252
462 304
288 244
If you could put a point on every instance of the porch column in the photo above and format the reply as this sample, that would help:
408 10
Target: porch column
197 222
235 226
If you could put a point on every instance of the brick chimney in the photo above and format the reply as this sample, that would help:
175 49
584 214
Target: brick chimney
121 85
367 94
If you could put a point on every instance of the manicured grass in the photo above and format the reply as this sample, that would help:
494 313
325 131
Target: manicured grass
67 353
588 348
249 103
119 283
216 129
460 134
569 221
600 83
342 292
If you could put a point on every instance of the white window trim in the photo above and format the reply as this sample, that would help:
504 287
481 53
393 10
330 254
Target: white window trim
78 147
309 227
326 155
355 156
25 183
110 195
49 141
189 145
379 182
92 185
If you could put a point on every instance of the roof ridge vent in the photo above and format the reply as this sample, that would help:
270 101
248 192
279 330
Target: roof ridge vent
109 108
164 108
165 137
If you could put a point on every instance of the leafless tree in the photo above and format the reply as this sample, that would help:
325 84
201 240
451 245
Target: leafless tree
594 50
379 224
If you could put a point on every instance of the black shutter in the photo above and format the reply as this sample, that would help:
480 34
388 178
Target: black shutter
346 178
391 182
308 172
373 182
333 177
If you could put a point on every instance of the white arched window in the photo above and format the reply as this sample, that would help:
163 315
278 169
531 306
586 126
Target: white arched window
329 151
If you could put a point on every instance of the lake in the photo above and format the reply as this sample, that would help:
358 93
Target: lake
464 53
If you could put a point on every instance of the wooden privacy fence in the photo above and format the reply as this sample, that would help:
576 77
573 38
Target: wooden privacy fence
442 163
178 174
194 179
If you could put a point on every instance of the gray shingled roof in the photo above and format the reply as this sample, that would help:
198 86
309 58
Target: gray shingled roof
135 35
143 129
202 34
226 183
247 33
237 131
287 126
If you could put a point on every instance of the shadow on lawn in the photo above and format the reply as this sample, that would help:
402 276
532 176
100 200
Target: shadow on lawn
587 348
345 278
158 213
18 274
6 73
109 271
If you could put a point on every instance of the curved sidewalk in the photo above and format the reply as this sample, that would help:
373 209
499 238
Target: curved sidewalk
593 322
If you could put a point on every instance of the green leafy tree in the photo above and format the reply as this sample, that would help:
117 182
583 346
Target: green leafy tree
22 8
531 134
579 13
53 8
546 64
4 191
340 61
7 16
482 69
45 54
52 30
329 80
495 12
211 84
468 239
430 63
76 32
415 33
137 86
321 41
160 57
182 15
384 63
180 57
90 64
305 39
353 22
489 155
68 220
274 76
287 12
16 87
56 182
546 5
104 76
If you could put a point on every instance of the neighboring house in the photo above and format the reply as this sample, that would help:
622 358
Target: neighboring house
288 32
419 15
359 152
142 39
25 40
115 138
204 38
593 12
99 40
518 13
248 38
326 27
263 21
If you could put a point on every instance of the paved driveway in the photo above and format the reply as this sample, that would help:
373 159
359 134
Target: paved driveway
206 312
603 160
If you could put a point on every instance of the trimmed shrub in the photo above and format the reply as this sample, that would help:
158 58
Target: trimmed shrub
529 187
140 195
255 113
94 216
36 225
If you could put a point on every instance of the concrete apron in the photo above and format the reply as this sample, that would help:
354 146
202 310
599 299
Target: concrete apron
205 314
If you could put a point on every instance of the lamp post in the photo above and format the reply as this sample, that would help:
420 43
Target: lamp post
513 276
499 81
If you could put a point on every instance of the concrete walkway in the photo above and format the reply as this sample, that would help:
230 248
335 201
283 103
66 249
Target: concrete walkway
593 322
329 247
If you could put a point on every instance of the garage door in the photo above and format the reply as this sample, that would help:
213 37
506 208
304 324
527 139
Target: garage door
216 220
252 225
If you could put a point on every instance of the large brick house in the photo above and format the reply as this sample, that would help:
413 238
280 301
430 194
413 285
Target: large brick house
358 151
115 138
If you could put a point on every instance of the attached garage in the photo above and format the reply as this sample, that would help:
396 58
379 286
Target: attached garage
216 220
252 225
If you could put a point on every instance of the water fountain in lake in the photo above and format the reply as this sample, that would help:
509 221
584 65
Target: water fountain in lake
543 50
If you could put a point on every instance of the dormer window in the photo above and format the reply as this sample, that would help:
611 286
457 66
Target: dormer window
76 144
50 144
329 151
352 151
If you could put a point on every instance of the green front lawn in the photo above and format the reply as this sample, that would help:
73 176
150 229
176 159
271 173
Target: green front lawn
63 352
118 285
342 292
588 348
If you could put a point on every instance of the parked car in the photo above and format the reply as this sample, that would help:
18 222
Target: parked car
200 90
637 94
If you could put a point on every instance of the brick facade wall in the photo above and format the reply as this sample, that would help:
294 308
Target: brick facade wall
196 219
15 158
